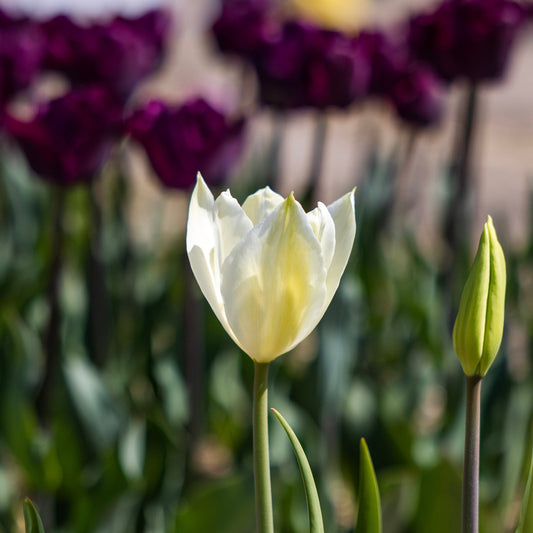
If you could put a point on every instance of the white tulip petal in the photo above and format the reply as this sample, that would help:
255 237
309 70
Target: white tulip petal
232 224
343 213
324 229
203 248
260 204
273 284
201 226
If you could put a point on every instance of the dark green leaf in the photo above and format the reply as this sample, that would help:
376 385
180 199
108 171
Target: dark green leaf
369 514
316 524
526 515
32 519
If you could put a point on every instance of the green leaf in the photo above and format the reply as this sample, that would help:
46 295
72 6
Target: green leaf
369 514
206 508
316 524
526 515
32 519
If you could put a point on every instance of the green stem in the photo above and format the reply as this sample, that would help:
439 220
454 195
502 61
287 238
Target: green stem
52 341
470 512
263 491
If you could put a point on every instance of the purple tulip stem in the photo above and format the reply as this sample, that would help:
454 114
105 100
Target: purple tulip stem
275 150
194 356
404 171
99 312
470 503
458 219
317 157
52 342
398 200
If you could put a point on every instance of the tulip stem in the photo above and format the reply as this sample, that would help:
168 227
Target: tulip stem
275 151
470 509
99 311
458 217
317 158
52 341
263 491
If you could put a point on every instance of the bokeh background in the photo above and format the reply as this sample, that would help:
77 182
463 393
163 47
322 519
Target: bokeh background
124 406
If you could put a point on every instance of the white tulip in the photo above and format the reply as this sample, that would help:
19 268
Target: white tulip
268 269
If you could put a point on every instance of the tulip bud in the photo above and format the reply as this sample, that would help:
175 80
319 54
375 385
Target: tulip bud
478 329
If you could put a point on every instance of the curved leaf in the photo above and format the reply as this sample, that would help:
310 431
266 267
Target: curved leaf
369 514
316 524
32 519
526 515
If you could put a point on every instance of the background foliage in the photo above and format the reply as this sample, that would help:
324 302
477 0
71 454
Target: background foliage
143 420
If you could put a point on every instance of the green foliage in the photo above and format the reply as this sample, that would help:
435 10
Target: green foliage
316 524
369 508
32 519
142 436
526 515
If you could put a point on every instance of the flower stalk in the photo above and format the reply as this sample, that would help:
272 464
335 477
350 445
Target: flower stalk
470 502
263 490
458 218
51 341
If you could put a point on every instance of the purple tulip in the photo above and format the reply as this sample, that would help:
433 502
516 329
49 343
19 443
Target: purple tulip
470 39
417 96
388 56
337 70
241 26
118 54
153 27
302 65
182 140
69 138
21 45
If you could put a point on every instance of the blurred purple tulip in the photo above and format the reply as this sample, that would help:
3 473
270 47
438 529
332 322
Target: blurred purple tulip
304 66
182 140
388 55
396 76
470 39
241 26
21 54
338 70
153 27
118 54
69 138
417 96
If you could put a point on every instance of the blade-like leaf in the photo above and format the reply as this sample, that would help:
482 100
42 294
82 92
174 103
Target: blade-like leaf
369 514
32 519
526 515
316 524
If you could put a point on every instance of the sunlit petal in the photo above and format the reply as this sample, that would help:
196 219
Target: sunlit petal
324 229
343 213
260 204
273 283
203 247
232 223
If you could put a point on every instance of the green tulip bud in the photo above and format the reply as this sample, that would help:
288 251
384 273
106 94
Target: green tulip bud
478 329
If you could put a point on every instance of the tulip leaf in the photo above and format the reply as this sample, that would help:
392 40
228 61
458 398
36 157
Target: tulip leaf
32 519
369 514
316 524
526 515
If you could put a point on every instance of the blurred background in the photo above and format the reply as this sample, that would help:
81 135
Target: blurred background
124 406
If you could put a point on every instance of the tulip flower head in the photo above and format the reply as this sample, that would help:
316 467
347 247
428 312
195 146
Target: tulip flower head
478 329
69 139
467 39
268 269
179 140
21 54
